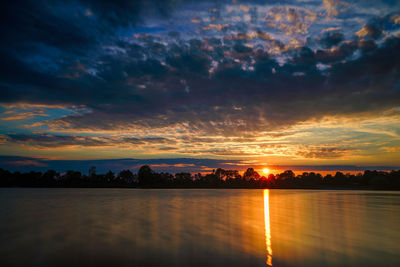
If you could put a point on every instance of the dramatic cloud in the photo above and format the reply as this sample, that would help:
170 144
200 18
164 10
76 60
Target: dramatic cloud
324 152
198 78
330 39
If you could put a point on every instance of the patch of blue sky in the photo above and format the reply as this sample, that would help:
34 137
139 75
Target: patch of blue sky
59 112
2 109
32 117
13 127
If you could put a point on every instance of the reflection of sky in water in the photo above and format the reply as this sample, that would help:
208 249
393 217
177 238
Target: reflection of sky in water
109 227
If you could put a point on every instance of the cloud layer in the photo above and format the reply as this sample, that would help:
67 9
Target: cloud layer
25 164
214 78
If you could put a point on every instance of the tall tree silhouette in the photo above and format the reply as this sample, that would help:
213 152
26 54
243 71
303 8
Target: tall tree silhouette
145 175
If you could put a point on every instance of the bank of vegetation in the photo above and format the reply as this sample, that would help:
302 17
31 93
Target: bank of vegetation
219 178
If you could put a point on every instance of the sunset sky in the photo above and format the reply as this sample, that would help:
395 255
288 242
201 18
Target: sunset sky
194 85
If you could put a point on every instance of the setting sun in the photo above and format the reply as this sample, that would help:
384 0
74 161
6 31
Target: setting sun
266 170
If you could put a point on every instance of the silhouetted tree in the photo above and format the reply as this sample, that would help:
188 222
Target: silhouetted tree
109 177
311 178
340 179
183 177
379 182
250 173
287 175
165 178
231 174
394 178
92 171
71 178
197 177
145 175
211 179
49 177
218 178
126 176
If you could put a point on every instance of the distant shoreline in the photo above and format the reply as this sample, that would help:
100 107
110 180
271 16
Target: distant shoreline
146 178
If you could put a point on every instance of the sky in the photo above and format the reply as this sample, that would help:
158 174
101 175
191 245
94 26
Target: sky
190 85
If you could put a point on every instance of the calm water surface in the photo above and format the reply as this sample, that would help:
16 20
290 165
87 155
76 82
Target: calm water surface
128 227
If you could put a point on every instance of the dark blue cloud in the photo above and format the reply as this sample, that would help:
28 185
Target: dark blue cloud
128 91
24 164
330 39
171 165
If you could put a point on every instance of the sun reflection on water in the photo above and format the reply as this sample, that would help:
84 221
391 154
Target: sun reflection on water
267 228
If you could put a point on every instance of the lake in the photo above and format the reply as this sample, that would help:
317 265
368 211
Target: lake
198 227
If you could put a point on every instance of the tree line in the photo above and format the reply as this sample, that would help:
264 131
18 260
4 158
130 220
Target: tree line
219 178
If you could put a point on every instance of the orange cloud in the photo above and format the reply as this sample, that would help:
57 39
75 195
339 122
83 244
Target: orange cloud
244 8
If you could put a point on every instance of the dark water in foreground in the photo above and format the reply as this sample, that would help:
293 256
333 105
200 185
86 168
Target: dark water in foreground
105 227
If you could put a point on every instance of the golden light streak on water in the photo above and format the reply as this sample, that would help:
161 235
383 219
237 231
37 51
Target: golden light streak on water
267 228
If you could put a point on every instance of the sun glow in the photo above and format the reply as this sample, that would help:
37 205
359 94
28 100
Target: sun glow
266 170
